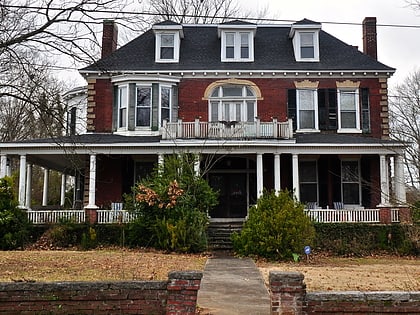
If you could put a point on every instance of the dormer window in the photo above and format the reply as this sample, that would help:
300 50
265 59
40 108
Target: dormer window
237 42
305 38
168 39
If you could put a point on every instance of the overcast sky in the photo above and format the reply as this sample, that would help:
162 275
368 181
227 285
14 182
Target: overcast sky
397 47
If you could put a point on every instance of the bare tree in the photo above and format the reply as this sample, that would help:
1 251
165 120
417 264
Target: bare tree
198 11
405 123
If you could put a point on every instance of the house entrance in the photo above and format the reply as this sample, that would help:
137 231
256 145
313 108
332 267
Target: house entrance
232 195
236 186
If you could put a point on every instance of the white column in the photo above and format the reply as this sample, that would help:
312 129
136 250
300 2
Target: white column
384 178
197 159
28 185
63 189
277 185
45 188
260 177
161 160
92 183
399 183
295 168
22 181
3 165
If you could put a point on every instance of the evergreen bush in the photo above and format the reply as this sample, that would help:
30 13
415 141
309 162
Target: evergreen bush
277 228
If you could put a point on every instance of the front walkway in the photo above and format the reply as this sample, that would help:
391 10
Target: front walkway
232 286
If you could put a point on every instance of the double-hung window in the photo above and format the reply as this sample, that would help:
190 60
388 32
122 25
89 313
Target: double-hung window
350 182
307 109
122 106
143 106
348 108
237 46
167 46
308 177
165 104
307 45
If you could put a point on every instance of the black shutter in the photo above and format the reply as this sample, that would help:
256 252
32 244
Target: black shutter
365 112
73 113
322 110
291 107
332 109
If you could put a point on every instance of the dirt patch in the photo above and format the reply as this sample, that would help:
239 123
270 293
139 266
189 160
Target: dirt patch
350 274
98 265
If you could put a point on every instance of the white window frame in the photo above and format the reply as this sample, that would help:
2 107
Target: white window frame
315 109
298 45
220 101
149 87
357 128
359 182
158 46
161 88
121 106
237 46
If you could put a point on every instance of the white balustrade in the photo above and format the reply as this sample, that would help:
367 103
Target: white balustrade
55 216
344 215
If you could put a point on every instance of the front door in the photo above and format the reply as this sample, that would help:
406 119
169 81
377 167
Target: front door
233 195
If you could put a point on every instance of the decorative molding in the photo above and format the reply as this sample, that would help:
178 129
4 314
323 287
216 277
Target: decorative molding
306 84
234 81
348 84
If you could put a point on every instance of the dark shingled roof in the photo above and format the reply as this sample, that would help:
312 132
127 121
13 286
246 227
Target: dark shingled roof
200 50
318 138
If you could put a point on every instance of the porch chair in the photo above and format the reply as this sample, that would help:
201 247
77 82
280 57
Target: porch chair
338 205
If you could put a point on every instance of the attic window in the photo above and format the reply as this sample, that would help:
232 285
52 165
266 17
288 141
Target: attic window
237 46
305 39
167 47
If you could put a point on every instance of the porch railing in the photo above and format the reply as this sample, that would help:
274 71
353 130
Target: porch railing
114 216
55 216
344 215
227 130
123 216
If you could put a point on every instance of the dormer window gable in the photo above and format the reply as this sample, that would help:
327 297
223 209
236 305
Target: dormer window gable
237 41
168 37
305 39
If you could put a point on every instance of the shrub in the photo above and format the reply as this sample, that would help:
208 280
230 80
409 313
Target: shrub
14 224
277 228
171 207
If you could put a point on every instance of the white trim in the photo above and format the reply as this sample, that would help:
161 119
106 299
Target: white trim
143 86
315 109
357 129
297 45
237 46
144 78
161 87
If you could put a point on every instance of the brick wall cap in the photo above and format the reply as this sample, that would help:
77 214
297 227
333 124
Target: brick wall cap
186 275
285 276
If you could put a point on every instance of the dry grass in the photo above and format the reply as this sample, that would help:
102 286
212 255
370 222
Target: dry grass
354 274
107 264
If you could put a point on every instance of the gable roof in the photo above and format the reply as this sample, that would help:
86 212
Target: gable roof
200 50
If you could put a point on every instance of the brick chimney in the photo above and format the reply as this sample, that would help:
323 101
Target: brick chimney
369 37
109 38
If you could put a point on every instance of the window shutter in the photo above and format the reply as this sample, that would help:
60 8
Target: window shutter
365 110
322 110
131 106
72 124
155 106
332 109
291 107
174 103
115 110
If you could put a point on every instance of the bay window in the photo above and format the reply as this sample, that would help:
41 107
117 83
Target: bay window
143 106
165 104
122 106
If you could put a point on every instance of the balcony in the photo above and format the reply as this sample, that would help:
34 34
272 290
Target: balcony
227 130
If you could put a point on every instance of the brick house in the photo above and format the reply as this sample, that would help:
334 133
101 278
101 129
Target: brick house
260 106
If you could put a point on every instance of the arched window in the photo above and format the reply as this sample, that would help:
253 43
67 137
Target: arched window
232 102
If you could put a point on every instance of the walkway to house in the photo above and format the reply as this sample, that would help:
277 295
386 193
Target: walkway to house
232 286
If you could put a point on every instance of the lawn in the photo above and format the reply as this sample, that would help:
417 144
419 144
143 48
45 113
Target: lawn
322 273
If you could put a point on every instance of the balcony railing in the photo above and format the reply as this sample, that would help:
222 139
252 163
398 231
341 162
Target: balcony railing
227 130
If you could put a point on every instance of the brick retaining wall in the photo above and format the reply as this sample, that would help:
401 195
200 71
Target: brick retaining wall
289 296
178 295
